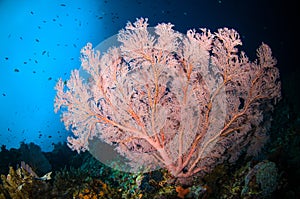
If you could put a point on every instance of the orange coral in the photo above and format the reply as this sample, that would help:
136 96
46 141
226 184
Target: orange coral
182 192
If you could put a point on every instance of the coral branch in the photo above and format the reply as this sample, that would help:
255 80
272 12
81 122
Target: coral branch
164 99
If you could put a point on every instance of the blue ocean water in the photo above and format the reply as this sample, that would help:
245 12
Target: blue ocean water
41 41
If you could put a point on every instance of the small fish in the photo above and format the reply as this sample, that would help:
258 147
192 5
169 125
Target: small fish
45 177
17 70
44 52
27 168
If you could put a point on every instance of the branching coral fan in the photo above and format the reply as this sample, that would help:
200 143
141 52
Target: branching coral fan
182 102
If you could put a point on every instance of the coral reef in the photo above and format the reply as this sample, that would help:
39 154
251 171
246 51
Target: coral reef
19 184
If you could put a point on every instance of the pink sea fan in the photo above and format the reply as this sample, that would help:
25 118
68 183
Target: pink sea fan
164 99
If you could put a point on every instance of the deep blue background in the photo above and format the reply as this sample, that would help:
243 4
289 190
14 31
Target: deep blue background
40 41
